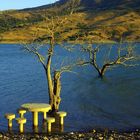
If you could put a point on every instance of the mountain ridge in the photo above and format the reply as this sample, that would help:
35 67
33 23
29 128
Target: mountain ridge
95 4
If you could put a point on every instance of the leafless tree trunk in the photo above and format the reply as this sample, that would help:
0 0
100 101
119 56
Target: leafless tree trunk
53 78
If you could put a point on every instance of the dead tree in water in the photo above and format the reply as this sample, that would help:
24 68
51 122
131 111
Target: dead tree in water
53 78
125 56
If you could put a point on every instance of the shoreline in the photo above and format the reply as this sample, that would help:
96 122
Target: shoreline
90 135
96 42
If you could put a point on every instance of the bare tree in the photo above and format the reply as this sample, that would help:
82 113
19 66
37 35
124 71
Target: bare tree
124 56
73 5
53 78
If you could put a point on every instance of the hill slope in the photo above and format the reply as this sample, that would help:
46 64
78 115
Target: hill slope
97 20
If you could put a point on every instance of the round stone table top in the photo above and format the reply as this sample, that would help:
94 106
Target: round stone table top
38 107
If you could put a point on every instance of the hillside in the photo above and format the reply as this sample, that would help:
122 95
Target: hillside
96 20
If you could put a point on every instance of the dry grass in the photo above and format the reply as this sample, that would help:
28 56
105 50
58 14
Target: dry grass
101 26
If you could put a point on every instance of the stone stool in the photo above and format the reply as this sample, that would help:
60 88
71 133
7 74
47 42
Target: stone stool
10 117
62 114
50 120
21 112
21 122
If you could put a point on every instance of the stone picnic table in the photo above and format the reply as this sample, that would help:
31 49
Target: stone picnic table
35 108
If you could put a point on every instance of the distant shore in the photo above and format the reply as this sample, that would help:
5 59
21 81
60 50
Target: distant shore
91 135
95 42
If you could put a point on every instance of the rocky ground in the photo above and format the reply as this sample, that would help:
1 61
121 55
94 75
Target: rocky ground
92 135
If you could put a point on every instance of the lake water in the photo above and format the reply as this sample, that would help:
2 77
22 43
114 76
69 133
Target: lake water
113 102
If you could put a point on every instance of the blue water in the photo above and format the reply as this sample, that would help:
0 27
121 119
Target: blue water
113 102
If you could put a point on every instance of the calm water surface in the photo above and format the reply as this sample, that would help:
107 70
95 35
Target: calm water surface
113 102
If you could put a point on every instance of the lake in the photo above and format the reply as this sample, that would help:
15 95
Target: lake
112 102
